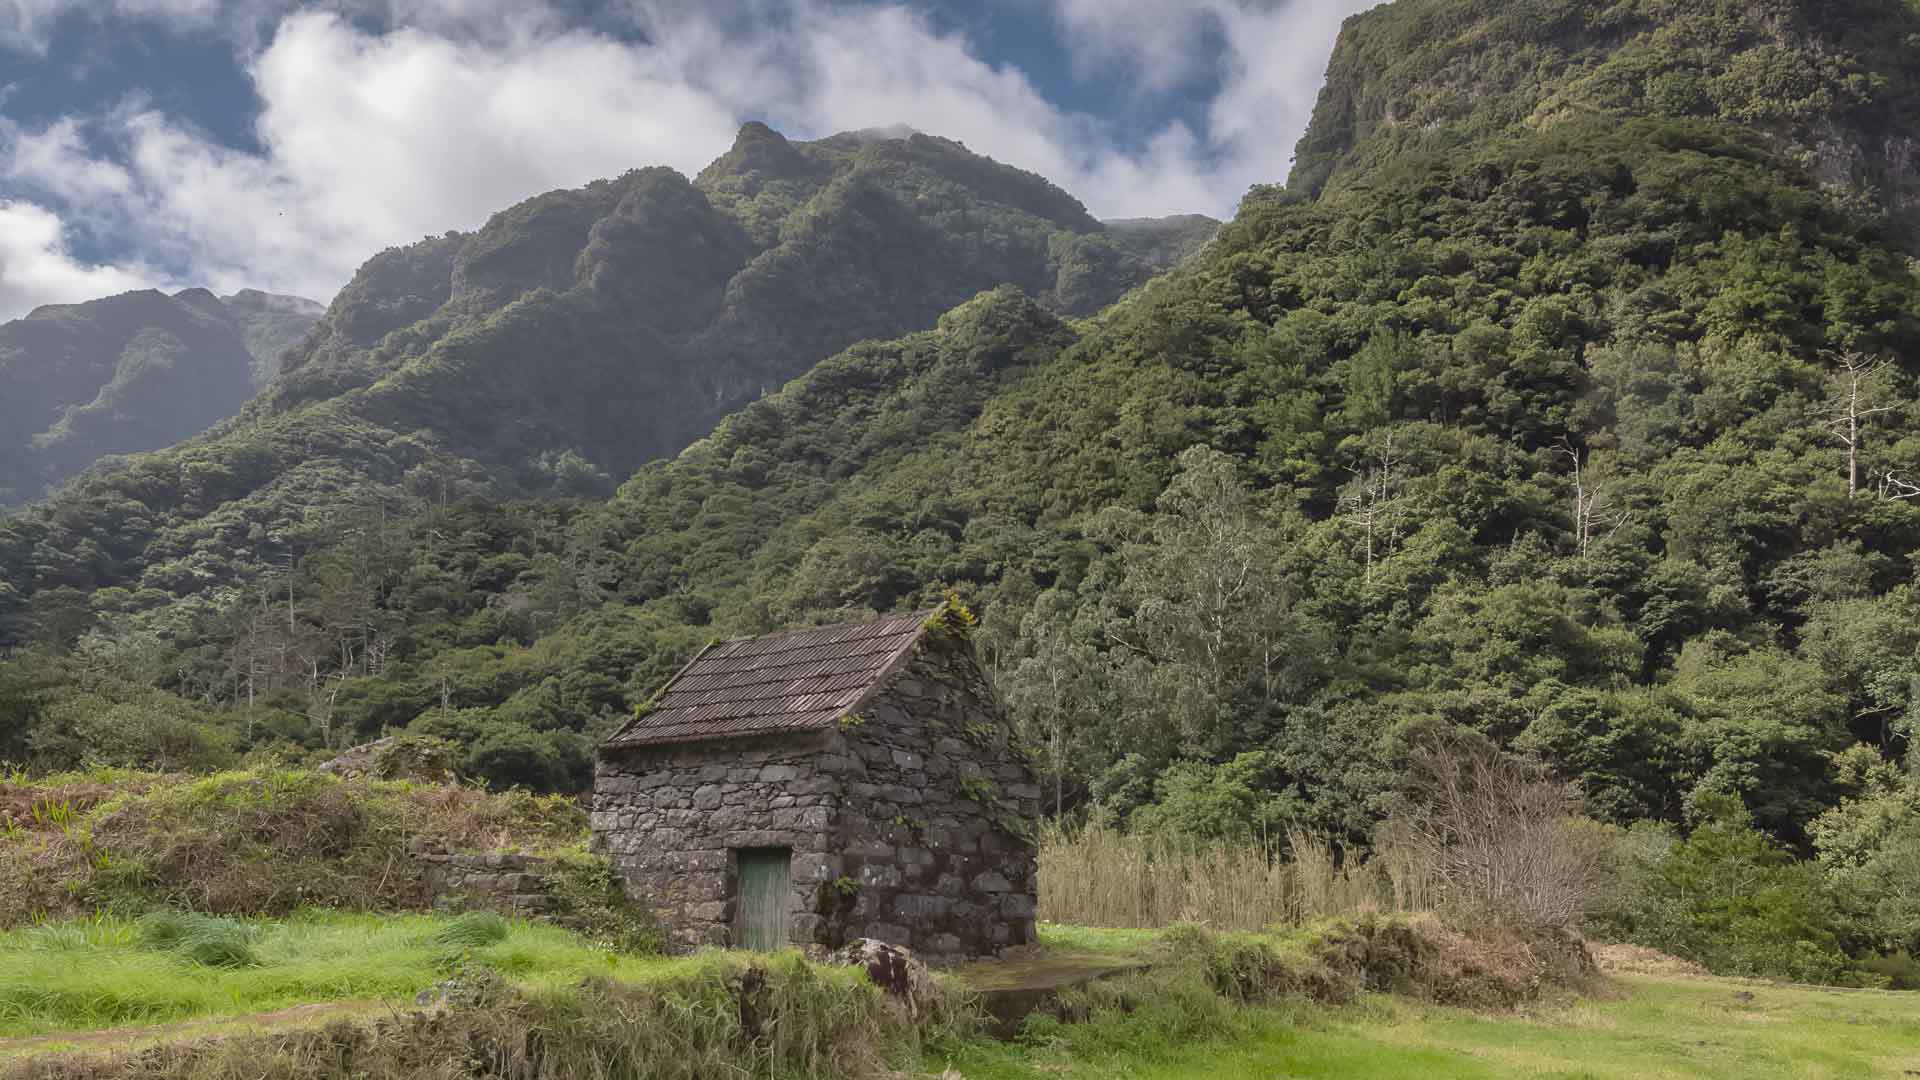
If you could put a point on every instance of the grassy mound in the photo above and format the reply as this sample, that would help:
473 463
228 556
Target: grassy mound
166 968
1201 982
260 842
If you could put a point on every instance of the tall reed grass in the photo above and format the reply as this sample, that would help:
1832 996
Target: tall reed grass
1099 876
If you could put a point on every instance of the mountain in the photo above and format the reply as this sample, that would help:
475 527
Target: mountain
1521 421
619 322
1831 87
1528 426
128 373
581 334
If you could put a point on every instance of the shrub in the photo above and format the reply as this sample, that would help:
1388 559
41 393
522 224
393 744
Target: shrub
1899 970
1502 838
1730 899
590 901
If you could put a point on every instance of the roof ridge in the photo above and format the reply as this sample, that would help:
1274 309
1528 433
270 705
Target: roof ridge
778 634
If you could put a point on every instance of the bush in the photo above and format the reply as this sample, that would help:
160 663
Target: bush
1500 837
1900 970
590 900
1730 899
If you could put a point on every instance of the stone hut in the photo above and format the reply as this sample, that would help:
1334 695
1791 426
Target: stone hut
810 788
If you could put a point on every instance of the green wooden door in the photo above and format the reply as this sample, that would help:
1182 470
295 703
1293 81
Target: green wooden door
765 877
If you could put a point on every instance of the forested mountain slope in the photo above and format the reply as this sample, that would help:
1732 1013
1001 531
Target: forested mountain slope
1589 431
1831 87
133 372
577 336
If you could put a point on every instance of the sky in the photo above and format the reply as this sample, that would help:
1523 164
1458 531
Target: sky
277 144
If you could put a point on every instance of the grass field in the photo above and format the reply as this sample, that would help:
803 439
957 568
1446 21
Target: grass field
85 975
1650 1027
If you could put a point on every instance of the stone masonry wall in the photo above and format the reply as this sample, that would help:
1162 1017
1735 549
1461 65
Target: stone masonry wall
938 816
671 818
506 883
912 823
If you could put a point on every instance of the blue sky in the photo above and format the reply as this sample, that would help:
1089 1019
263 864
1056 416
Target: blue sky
278 143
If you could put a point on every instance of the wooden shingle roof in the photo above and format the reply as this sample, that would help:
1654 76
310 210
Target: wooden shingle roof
802 681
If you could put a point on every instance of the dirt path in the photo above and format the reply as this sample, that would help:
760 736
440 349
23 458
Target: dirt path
124 1038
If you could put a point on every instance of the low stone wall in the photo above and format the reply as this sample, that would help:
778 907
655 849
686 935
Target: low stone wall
510 884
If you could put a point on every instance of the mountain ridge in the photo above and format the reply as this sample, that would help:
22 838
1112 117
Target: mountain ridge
581 333
129 373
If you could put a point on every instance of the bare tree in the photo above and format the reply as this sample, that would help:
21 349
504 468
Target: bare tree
1893 488
1372 500
1593 505
1498 835
1851 408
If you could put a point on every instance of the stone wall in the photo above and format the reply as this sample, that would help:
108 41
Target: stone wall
510 884
911 823
938 814
670 820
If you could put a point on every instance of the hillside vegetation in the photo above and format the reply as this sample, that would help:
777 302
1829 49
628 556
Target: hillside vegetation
1555 408
134 372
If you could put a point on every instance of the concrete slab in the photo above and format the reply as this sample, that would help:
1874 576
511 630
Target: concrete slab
1012 990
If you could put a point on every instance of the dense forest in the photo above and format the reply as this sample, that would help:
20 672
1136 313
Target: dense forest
134 372
1564 400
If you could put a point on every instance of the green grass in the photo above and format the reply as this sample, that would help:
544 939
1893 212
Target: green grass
1655 1027
87 975
1088 939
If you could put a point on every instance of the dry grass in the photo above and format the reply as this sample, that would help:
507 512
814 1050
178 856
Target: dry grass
1101 877
1619 959
258 842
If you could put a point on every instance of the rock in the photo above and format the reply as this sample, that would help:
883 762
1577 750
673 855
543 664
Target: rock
469 987
892 968
397 757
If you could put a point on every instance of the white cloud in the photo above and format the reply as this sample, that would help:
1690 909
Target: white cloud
462 107
36 266
26 24
1162 41
1270 63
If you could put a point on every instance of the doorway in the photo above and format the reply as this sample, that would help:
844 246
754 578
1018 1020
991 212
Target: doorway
766 876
